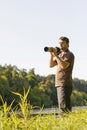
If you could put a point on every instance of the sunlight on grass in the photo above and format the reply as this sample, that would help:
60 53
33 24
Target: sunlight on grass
76 120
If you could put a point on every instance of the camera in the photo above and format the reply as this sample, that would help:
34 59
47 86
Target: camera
50 49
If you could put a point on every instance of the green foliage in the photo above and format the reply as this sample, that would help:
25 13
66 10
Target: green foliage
42 88
72 121
79 98
25 107
77 120
80 85
39 97
4 85
5 107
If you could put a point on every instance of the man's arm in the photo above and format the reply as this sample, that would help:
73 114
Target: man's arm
52 62
63 64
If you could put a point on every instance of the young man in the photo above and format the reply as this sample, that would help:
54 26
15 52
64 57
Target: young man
64 60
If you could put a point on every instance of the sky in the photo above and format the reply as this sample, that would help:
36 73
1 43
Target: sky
27 26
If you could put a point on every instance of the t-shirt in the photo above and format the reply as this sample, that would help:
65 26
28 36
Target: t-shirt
63 77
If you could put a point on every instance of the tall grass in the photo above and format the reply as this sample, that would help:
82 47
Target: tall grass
76 120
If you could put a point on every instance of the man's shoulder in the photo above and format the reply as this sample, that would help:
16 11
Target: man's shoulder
71 56
71 53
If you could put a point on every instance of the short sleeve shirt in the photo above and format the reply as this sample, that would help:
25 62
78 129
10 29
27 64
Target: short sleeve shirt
64 76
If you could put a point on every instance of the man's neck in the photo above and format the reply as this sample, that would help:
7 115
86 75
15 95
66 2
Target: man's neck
64 50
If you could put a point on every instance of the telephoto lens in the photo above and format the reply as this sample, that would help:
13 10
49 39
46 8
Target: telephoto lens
46 49
50 49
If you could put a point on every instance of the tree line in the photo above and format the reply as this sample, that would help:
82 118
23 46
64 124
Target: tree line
42 89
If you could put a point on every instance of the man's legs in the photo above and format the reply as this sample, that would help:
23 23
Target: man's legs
63 94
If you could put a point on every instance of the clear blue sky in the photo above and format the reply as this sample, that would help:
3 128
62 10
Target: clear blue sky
27 26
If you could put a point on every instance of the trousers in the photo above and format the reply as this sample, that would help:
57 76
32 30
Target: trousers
63 95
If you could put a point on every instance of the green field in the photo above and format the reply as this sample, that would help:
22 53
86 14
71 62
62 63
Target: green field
72 121
9 120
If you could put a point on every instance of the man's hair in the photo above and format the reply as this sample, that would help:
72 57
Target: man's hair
64 39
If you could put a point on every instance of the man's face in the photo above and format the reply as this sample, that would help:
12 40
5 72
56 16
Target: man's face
63 44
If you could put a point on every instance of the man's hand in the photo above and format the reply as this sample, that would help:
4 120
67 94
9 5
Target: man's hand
55 51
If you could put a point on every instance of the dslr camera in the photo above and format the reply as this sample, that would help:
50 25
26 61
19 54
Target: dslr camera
50 49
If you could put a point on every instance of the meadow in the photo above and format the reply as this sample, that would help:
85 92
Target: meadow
11 120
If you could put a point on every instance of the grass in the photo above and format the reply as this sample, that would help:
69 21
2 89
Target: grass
76 120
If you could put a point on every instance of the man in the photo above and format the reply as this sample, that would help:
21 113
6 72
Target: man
64 60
